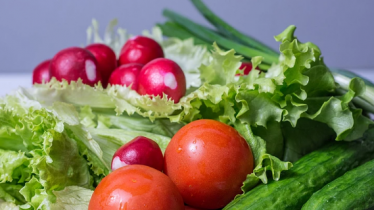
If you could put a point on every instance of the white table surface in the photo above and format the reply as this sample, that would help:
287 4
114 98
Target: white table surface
9 82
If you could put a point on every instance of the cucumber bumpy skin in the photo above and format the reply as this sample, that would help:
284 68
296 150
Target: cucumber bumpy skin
353 190
308 175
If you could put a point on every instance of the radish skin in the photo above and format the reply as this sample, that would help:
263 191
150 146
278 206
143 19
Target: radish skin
141 150
41 73
106 60
75 63
140 49
162 76
126 75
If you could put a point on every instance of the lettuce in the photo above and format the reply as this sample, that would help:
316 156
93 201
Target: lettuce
221 99
72 197
47 159
299 87
46 152
8 205
57 139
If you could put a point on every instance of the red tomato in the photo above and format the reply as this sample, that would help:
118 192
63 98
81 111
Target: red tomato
208 161
136 187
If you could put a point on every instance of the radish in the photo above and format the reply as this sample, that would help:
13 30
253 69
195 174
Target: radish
140 49
41 73
73 63
190 208
247 67
106 60
126 75
162 76
141 150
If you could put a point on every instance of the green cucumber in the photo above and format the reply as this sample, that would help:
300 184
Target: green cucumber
308 175
353 190
229 31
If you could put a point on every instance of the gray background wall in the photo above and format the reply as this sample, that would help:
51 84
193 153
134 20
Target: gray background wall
31 31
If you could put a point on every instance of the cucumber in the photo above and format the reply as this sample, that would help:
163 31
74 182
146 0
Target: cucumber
308 175
353 190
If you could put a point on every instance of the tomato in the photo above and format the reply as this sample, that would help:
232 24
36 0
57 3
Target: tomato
208 161
136 187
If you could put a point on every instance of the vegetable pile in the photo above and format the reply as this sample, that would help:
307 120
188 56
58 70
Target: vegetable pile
216 118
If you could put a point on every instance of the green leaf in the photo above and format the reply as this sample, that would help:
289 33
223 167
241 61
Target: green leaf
293 110
321 82
34 193
129 123
337 114
286 35
257 108
222 69
51 160
10 192
14 166
273 137
307 136
263 160
361 124
72 197
87 117
8 205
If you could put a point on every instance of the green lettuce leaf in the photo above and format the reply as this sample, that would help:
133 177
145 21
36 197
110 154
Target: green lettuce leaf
50 159
303 138
14 166
337 113
72 197
263 160
8 205
10 192
273 137
223 67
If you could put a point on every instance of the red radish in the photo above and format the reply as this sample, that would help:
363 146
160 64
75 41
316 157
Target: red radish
140 49
142 151
74 63
106 60
162 76
247 66
126 75
41 73
190 208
